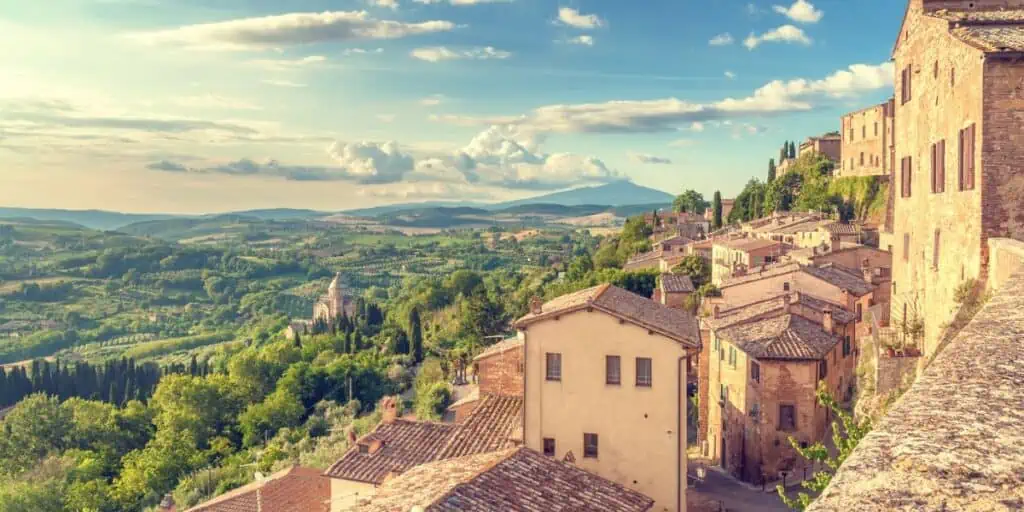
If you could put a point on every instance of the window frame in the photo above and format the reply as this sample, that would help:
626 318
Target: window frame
590 451
549 375
792 418
936 249
967 152
755 372
906 247
939 167
640 381
545 443
617 381
906 176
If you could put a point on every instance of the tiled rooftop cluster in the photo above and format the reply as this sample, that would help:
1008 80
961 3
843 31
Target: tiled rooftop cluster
955 440
676 283
518 479
292 490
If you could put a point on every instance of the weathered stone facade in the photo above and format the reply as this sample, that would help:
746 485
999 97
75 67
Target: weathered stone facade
501 372
868 141
829 145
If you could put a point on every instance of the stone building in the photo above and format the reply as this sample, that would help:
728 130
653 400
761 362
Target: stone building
868 141
741 255
673 290
499 372
959 146
727 205
335 304
606 374
766 359
829 145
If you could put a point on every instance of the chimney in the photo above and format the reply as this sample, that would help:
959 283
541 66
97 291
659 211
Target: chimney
389 409
834 243
826 319
536 305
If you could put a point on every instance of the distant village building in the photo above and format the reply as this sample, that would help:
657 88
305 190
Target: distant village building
829 145
334 304
869 142
765 360
606 374
959 148
741 255
727 205
673 290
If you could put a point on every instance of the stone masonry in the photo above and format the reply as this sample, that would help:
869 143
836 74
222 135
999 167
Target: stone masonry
867 136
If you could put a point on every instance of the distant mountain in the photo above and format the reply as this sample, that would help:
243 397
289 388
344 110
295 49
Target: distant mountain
95 219
619 193
403 207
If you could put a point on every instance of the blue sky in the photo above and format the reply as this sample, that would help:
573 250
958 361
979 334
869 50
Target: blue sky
217 105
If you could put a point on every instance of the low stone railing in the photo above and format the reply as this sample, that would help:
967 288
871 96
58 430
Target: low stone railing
955 439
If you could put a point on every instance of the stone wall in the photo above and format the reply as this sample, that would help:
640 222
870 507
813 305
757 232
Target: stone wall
890 372
1006 258
954 440
946 96
867 134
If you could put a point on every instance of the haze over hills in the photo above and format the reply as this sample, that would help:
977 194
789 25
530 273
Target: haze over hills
598 198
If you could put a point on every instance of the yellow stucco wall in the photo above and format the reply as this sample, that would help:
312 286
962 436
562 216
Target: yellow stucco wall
642 430
345 494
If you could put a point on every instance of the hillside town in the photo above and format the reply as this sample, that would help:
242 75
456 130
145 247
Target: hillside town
739 356
589 400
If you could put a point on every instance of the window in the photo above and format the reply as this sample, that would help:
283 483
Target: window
823 369
732 357
851 134
939 167
723 392
847 346
755 372
906 249
864 132
787 417
966 166
785 286
644 378
612 370
554 366
590 446
905 85
549 447
876 128
935 70
860 312
862 159
905 176
716 345
935 250
952 77
364 448
721 353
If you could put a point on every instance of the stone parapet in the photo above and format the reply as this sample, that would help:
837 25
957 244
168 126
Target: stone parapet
954 440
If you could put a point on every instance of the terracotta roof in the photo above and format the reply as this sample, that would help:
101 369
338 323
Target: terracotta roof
734 314
770 271
519 479
672 323
784 336
296 489
840 228
500 347
645 256
676 283
406 444
675 240
748 244
995 16
840 277
992 38
495 424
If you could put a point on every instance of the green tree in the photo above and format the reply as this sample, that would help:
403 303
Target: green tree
149 473
690 201
696 268
845 440
716 205
279 410
771 170
433 402
35 427
416 335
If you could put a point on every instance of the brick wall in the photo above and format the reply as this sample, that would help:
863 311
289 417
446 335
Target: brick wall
1002 148
502 373
946 84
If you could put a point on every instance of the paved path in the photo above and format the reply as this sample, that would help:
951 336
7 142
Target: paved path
718 488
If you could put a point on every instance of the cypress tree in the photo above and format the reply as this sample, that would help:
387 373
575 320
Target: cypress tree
771 170
416 335
716 204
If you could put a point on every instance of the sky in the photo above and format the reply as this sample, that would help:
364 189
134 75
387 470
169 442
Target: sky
199 106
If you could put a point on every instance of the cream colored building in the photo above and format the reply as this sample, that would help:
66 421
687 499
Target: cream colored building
606 388
741 255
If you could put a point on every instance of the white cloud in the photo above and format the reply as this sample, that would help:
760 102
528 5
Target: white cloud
721 39
441 53
667 114
386 4
730 75
289 29
574 18
801 11
643 158
372 162
289 64
361 51
283 83
215 102
783 34
584 40
432 101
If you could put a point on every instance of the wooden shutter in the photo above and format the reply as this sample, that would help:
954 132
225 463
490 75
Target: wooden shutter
970 157
935 168
961 165
942 165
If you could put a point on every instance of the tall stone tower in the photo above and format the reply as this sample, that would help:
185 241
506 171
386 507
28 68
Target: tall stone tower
336 297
